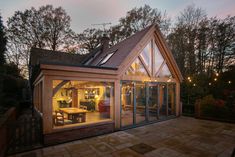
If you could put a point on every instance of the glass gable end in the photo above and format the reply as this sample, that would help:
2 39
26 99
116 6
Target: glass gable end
165 72
157 58
150 63
137 69
147 56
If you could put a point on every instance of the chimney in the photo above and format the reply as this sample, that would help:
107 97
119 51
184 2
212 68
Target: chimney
105 43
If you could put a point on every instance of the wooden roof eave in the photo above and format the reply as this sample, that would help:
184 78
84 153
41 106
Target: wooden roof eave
78 69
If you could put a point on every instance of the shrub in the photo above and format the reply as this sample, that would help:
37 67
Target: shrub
218 109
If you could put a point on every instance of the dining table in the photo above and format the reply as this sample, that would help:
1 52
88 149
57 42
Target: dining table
75 114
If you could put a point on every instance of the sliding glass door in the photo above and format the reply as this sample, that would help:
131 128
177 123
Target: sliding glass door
140 97
127 100
146 102
171 99
162 100
153 102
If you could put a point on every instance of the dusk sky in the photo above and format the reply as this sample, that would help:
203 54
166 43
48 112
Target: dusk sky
84 13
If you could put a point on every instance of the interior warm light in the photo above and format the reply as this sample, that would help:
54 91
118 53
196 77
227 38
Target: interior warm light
215 79
229 82
96 96
209 84
86 91
194 84
189 78
217 74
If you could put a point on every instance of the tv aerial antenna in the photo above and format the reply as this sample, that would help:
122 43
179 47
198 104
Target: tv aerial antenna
102 24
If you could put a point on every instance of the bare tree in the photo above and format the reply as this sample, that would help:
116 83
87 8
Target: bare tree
46 27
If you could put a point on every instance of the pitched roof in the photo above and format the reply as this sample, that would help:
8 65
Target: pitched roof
38 56
121 50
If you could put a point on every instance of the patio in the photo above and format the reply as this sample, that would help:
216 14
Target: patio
179 137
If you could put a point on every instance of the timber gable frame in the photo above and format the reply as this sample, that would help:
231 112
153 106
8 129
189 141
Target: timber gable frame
155 35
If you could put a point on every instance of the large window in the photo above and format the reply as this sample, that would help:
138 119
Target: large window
136 69
146 55
81 102
157 58
146 102
150 63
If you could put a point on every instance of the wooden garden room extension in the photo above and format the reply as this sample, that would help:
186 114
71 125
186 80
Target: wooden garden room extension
132 83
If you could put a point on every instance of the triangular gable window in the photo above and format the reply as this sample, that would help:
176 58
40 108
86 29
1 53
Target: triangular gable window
164 72
136 69
149 63
146 55
157 58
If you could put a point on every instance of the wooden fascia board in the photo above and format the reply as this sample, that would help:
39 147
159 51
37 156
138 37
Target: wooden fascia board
135 52
169 54
77 69
72 74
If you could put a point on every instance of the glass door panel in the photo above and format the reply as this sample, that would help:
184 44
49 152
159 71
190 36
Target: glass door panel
171 99
153 102
140 103
127 113
162 100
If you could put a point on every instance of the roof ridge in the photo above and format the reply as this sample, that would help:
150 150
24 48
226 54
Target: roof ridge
42 50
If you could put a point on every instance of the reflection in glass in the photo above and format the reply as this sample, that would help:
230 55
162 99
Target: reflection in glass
146 55
140 103
157 58
76 102
153 102
171 99
136 69
162 100
127 113
165 72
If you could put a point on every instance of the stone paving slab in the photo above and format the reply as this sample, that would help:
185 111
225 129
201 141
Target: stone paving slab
179 137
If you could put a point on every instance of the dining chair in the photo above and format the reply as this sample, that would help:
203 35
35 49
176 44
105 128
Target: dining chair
60 118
